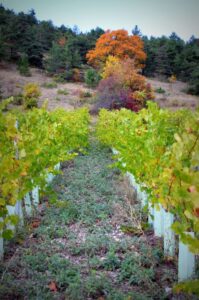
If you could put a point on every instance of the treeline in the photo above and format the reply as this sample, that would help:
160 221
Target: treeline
62 50
168 56
24 39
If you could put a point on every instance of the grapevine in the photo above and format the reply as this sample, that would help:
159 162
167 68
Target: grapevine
161 149
29 151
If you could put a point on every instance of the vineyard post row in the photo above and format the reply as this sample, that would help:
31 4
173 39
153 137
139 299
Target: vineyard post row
31 154
29 203
159 150
161 222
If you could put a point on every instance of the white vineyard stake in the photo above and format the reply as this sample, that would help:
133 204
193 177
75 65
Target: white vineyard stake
115 152
28 204
138 192
49 178
144 198
186 261
1 244
169 236
18 205
35 196
57 166
1 248
19 212
150 213
11 211
131 179
142 195
158 221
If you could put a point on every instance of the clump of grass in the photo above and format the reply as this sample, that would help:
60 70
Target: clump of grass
62 92
85 94
82 94
59 78
160 90
174 102
183 104
31 93
163 99
49 85
96 286
134 272
18 99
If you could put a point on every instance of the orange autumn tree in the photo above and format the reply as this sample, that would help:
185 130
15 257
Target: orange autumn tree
119 44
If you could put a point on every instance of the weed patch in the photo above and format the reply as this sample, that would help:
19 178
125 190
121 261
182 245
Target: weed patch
82 248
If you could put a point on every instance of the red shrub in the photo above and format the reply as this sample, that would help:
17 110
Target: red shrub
124 87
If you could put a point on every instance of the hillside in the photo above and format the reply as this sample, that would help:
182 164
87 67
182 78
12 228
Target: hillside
174 96
64 95
12 83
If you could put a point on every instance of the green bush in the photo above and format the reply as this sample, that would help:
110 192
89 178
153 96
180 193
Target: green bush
84 94
193 89
96 285
111 262
92 78
18 99
87 94
160 90
31 93
50 85
23 65
31 90
134 272
59 78
62 92
69 74
30 102
194 82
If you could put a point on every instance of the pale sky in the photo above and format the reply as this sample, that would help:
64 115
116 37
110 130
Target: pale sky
153 17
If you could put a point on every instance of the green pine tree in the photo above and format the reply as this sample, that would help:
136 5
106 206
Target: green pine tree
23 65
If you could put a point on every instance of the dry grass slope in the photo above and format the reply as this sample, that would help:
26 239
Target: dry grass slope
64 95
174 96
68 95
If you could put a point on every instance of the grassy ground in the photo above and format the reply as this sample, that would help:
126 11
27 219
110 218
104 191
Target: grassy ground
83 246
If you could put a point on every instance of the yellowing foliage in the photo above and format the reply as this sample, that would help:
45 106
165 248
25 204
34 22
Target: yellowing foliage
31 150
161 149
172 79
111 64
31 90
30 95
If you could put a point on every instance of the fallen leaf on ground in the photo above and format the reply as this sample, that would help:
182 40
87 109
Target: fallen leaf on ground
196 212
52 286
192 189
35 223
